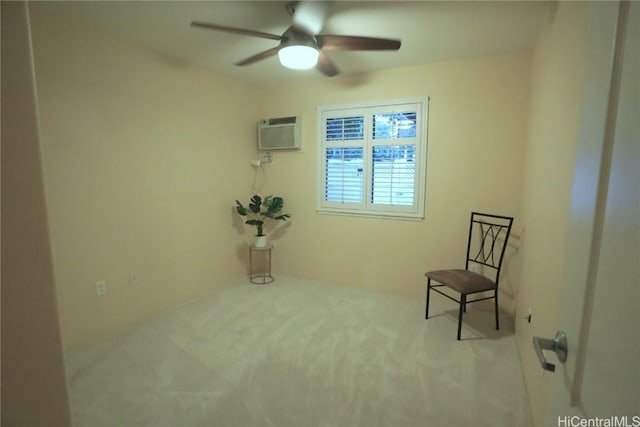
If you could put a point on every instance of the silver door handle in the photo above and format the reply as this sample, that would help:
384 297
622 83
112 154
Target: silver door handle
558 345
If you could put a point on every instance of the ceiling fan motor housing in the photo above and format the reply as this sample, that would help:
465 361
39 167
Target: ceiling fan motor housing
293 37
298 50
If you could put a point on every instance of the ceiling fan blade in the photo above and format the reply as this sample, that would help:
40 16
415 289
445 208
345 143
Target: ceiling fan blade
309 16
235 30
258 57
333 42
326 65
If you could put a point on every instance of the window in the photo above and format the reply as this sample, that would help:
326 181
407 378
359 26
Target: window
373 159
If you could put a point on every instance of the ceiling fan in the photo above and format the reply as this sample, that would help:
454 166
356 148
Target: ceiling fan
301 46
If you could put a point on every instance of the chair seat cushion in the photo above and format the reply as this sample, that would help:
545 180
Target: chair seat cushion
463 281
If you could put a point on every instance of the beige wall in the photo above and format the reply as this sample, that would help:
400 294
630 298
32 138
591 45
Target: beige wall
34 389
478 112
143 158
557 77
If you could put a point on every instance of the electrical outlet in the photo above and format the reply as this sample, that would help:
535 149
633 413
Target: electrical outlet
101 288
268 158
134 279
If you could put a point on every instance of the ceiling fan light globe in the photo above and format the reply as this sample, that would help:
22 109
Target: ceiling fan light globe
298 57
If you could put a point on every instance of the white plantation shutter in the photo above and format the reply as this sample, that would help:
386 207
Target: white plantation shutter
393 181
344 182
344 128
372 159
343 142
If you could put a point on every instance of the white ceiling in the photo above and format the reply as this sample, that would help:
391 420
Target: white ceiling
430 31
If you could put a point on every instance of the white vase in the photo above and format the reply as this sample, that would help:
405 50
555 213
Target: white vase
260 242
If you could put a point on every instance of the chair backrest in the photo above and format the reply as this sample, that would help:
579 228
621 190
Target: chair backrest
488 237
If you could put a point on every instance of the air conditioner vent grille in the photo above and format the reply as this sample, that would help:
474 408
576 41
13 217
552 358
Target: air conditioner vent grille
283 121
281 133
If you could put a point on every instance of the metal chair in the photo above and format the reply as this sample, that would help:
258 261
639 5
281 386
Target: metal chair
488 236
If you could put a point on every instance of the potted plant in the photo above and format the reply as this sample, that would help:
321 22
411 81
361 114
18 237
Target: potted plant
258 211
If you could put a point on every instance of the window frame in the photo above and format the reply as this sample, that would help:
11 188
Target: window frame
368 110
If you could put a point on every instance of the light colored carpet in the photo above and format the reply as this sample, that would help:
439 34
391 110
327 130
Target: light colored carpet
302 353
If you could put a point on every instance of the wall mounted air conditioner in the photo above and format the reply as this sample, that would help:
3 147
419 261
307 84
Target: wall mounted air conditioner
282 133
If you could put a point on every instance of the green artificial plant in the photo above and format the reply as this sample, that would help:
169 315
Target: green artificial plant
259 209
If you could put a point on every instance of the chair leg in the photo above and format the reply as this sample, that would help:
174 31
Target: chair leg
426 313
463 304
497 320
